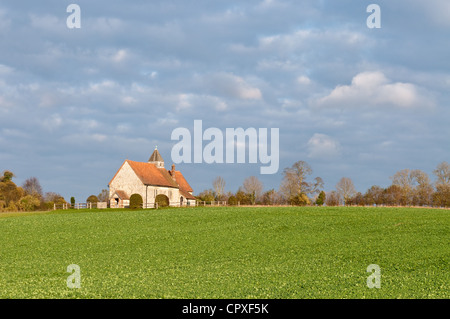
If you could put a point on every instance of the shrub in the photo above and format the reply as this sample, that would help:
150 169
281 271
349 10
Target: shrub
321 198
29 203
136 201
162 200
232 201
92 199
299 200
12 207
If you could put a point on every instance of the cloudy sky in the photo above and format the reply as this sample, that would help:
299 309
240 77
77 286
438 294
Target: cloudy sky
349 100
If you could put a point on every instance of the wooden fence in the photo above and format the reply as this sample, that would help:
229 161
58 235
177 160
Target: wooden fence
212 203
99 205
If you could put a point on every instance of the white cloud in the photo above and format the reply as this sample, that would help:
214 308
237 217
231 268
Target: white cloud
105 25
374 89
129 100
304 39
323 146
101 86
186 101
99 137
52 122
5 70
232 86
119 56
303 80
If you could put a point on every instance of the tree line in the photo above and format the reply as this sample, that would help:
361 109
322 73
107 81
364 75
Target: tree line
30 196
408 188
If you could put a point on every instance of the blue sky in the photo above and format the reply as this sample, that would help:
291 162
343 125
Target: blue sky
351 101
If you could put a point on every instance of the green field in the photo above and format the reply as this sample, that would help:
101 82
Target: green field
227 252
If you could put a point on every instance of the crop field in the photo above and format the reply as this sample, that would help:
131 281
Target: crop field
227 252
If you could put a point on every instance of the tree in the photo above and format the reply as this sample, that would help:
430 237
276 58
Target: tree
374 195
393 195
345 189
269 197
92 199
415 186
242 197
232 200
32 187
103 196
442 173
54 198
207 195
357 199
9 192
72 202
423 191
7 176
219 187
442 195
295 182
405 181
253 187
321 198
332 199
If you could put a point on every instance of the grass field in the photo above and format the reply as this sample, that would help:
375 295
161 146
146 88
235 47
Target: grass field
226 252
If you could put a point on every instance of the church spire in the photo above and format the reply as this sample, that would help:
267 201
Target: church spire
156 158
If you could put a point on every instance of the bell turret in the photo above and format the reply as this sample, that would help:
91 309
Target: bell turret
156 159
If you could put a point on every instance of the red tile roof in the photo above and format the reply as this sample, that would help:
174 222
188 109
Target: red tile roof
149 174
186 194
182 182
122 195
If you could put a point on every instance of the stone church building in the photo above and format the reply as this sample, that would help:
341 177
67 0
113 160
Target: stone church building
150 180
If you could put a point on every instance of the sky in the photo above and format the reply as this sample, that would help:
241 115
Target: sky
349 100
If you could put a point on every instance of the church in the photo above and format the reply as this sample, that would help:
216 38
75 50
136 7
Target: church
152 182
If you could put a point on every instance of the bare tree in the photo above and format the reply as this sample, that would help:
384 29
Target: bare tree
32 187
374 195
295 182
332 198
442 172
405 180
253 187
54 197
103 196
345 189
219 187
423 190
442 195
